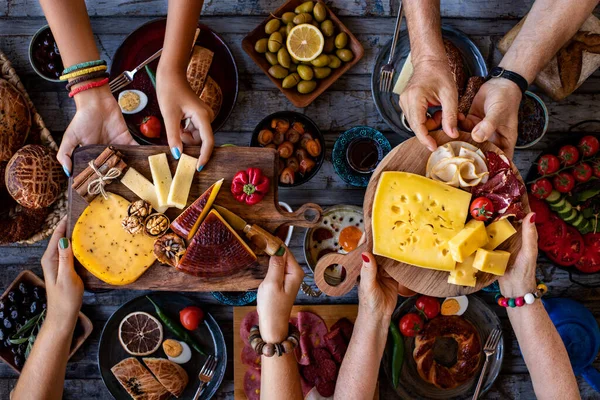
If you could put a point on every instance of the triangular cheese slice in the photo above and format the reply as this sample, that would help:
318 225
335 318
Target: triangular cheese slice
216 250
187 223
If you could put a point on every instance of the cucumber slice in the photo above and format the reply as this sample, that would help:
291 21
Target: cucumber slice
565 209
554 197
558 205
579 222
571 217
587 227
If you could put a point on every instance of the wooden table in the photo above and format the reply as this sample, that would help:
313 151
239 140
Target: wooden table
346 104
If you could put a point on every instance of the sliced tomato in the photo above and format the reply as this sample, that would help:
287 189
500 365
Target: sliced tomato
541 210
589 261
569 250
592 240
552 233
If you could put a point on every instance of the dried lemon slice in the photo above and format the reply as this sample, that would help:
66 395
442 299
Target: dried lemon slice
305 42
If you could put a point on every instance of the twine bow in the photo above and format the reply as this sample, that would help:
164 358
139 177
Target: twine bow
96 186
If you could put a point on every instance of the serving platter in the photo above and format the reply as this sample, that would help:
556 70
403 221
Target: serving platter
410 156
224 163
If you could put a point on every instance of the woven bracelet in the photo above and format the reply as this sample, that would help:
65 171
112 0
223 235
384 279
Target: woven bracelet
83 65
87 77
88 86
82 72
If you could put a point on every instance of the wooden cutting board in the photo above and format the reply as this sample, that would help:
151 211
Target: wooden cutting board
410 156
330 314
224 163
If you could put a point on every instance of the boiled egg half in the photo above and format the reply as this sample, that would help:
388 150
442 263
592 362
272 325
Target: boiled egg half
132 101
455 305
176 351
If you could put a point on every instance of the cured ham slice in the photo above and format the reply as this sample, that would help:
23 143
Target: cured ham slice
170 375
187 223
138 381
197 70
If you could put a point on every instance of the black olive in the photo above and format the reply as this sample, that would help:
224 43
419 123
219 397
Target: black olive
19 361
7 343
39 293
2 304
14 349
7 323
2 335
14 297
15 315
2 314
34 308
23 288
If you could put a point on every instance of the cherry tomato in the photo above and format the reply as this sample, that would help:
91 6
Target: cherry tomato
430 306
151 127
589 261
589 145
191 317
541 188
564 182
570 249
541 210
551 233
568 154
596 168
582 172
411 324
548 164
482 209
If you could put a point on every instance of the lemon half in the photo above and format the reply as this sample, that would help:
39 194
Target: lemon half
305 42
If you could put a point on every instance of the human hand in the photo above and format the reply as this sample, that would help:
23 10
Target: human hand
276 296
431 84
377 290
177 102
64 288
98 120
520 277
494 114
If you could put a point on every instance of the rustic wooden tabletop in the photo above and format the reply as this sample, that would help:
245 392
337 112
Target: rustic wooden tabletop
346 104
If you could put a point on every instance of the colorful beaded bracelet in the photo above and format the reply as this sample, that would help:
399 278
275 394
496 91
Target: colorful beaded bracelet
87 77
270 349
528 298
90 85
82 72
83 65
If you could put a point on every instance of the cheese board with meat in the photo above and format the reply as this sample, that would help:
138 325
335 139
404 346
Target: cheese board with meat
132 208
443 224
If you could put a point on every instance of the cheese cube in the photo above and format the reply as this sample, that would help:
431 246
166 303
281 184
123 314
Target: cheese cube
161 175
498 232
142 187
464 274
468 240
182 181
491 261
414 217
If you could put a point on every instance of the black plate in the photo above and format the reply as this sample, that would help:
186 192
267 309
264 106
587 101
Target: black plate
208 335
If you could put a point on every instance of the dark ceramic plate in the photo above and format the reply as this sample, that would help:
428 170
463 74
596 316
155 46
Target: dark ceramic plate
208 335
310 126
147 40
387 102
339 159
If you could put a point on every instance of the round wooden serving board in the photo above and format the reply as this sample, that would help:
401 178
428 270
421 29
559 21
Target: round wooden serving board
410 156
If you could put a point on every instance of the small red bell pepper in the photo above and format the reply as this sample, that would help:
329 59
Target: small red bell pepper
250 186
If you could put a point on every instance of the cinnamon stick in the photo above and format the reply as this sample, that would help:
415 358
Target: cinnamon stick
108 159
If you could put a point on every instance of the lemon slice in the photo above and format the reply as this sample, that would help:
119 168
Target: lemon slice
305 42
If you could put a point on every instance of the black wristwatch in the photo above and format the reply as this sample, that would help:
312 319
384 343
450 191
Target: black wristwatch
498 72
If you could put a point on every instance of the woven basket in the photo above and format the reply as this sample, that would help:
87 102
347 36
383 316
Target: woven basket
38 128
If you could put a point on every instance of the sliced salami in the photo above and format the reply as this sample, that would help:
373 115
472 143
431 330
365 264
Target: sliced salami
312 330
328 370
311 374
252 384
318 355
250 358
326 389
336 344
345 326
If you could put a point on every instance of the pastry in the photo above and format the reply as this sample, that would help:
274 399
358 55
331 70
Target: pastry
15 120
138 381
170 375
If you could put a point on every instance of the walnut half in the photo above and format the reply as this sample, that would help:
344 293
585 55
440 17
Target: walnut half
169 249
156 224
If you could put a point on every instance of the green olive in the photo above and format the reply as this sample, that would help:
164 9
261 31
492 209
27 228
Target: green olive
327 28
291 80
306 87
329 45
272 26
293 67
320 61
305 72
261 45
289 27
322 73
334 62
320 12
345 55
306 7
278 72
304 18
271 58
275 41
288 17
341 40
283 57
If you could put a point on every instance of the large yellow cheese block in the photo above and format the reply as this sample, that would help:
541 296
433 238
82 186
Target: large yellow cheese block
142 187
104 248
414 218
182 181
498 232
491 261
464 274
468 240
161 175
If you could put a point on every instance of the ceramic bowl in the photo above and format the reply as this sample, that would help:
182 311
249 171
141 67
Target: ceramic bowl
546 120
31 58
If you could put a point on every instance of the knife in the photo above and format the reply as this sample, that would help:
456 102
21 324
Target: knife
271 244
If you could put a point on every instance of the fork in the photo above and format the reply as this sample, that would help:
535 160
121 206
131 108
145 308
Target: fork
387 70
127 76
206 374
491 345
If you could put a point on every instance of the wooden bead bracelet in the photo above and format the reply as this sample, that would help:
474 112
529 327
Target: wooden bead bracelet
88 86
270 349
528 298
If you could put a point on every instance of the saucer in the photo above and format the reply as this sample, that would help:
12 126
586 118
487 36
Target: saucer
338 156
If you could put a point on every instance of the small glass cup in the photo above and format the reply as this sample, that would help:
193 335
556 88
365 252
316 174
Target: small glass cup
364 154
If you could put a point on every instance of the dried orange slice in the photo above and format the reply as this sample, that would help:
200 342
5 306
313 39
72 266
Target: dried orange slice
305 42
140 334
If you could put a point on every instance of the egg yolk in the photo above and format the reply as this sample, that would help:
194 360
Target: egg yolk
450 307
349 237
172 348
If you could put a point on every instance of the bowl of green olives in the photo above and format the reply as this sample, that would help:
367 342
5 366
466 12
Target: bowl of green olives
303 48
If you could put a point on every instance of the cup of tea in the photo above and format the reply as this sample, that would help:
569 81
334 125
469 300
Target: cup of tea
363 154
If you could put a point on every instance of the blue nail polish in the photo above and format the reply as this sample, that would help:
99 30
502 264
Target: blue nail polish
66 171
176 153
200 168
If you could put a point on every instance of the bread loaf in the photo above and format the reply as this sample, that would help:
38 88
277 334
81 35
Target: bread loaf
15 120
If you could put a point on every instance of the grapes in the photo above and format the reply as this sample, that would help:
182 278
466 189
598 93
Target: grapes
34 308
14 315
7 323
23 288
14 297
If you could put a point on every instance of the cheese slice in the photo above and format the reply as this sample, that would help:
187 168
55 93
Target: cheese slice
161 175
182 181
468 240
464 274
491 261
104 248
414 218
142 187
498 232
405 75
